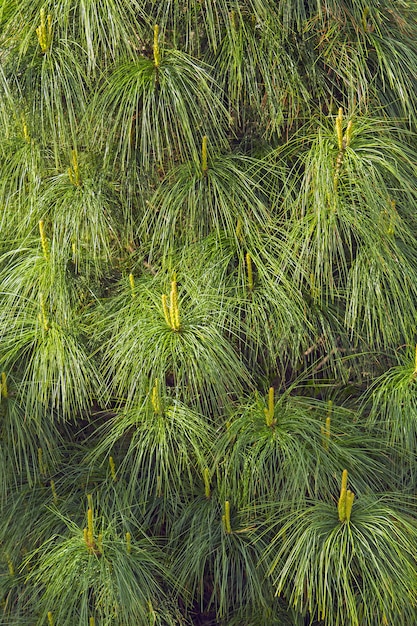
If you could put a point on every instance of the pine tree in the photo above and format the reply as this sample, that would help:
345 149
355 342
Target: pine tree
208 289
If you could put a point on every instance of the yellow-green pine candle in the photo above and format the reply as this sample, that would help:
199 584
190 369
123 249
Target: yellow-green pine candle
339 129
43 317
92 621
156 401
42 467
344 479
250 271
207 487
44 31
4 390
233 19
177 314
132 284
154 398
74 252
227 522
44 240
50 619
365 14
174 308
41 31
152 613
269 412
166 310
348 135
204 165
156 51
128 542
172 297
90 526
112 469
172 303
341 142
271 404
350 496
341 506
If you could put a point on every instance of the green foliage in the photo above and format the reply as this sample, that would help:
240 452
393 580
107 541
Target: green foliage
110 578
315 560
207 312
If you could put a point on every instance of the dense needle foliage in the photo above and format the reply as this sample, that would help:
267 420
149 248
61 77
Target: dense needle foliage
208 295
